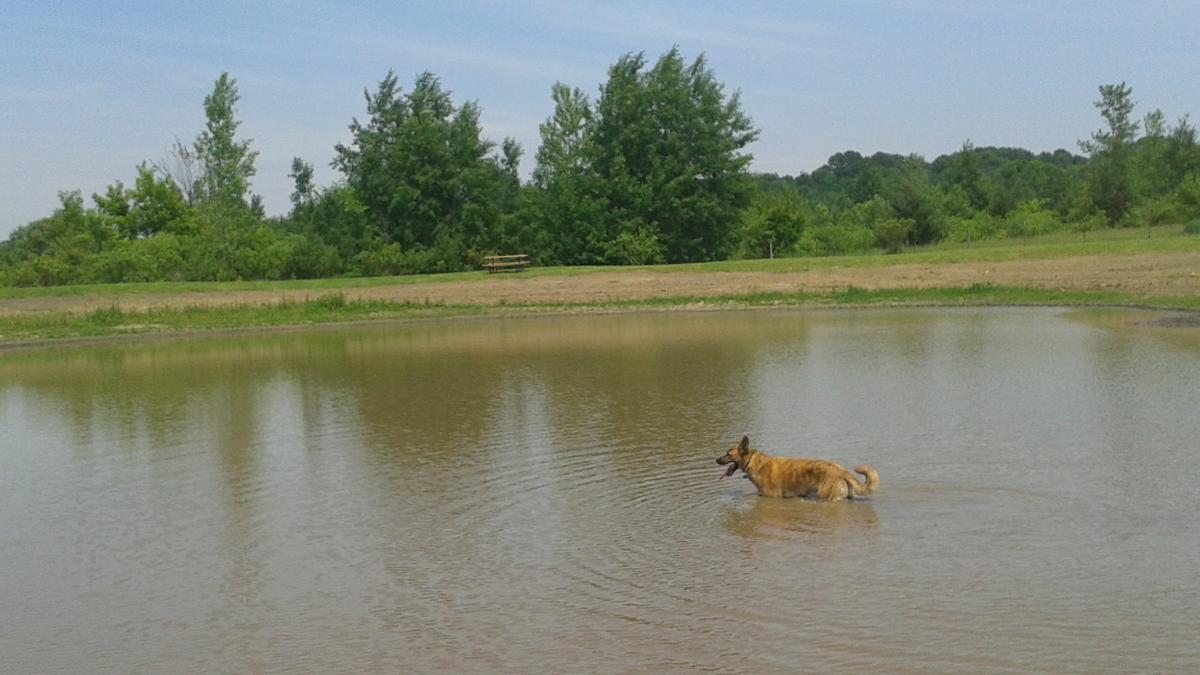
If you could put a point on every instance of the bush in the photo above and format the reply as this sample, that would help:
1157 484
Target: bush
636 248
155 258
1093 222
834 240
891 234
1153 212
1030 219
866 214
446 255
379 261
1187 196
312 259
981 225
1192 227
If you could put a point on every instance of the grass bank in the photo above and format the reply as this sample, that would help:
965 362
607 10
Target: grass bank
335 308
1122 242
1117 268
113 321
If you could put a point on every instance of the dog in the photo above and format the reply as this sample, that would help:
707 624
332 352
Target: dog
784 477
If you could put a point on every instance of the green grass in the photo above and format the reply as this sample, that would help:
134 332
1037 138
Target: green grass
332 305
175 287
109 321
968 296
336 308
1130 241
1166 239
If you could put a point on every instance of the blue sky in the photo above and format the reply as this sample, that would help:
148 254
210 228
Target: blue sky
89 90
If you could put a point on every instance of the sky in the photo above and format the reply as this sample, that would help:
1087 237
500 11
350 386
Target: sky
88 90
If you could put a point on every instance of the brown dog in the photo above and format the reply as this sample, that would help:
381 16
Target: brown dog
783 477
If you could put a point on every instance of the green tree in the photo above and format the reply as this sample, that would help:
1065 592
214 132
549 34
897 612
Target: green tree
772 225
565 136
339 219
226 164
420 167
891 234
62 248
667 149
508 193
302 179
866 186
155 205
913 199
1110 173
564 214
1029 219
964 172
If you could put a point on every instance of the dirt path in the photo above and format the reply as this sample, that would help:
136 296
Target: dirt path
1146 275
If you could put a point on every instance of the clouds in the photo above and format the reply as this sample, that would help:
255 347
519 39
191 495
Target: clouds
88 93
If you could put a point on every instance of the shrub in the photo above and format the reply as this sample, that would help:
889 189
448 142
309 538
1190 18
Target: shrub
891 234
867 214
1187 196
981 225
1153 212
312 259
636 248
1087 224
834 240
155 258
379 261
330 301
1031 219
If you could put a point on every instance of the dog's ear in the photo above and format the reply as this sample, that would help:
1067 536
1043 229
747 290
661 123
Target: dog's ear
745 444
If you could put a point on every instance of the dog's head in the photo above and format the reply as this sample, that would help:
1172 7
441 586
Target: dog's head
736 457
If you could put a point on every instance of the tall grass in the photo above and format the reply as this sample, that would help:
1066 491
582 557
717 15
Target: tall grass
336 308
1059 244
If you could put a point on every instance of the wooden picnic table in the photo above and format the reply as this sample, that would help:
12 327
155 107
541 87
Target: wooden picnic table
506 263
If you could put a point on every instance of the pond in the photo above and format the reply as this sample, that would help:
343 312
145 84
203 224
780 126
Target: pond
541 494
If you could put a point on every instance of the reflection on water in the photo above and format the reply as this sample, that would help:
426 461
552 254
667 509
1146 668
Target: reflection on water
813 522
540 494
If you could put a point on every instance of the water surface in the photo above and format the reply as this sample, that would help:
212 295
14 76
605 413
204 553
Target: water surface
541 494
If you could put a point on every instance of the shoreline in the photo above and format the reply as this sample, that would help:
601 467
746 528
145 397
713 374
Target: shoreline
1156 274
330 316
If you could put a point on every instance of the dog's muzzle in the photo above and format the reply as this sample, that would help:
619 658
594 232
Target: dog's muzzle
733 465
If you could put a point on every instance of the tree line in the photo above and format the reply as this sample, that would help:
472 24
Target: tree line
652 170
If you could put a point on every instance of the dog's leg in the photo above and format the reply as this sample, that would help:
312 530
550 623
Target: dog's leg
767 492
832 490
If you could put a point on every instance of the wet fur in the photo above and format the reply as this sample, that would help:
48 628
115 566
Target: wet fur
784 477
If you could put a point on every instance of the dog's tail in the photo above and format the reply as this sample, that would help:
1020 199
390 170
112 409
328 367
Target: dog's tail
867 487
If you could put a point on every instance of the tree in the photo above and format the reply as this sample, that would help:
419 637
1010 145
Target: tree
866 185
156 205
1183 152
891 234
182 167
226 164
914 200
508 191
565 213
666 147
564 136
772 225
420 167
1110 175
60 249
113 204
964 172
302 178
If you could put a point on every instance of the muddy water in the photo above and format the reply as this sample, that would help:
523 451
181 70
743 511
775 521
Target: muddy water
541 494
